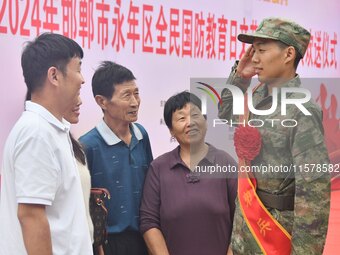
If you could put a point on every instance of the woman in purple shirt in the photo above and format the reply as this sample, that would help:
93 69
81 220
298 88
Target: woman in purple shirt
183 211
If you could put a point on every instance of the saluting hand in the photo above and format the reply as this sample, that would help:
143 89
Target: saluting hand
245 68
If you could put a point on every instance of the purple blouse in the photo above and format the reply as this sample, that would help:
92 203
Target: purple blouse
194 213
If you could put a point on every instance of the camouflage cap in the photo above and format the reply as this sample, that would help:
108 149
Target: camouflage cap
282 30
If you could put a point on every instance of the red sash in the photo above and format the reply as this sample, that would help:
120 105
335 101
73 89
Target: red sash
271 237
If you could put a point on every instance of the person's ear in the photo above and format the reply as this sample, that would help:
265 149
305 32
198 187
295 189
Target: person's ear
101 101
290 54
52 75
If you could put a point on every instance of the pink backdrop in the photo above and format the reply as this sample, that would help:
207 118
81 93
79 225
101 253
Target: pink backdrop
164 43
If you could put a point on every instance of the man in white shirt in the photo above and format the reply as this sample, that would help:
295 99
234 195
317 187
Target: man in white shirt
42 210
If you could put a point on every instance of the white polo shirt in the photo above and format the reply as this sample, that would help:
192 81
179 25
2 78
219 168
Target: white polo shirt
39 168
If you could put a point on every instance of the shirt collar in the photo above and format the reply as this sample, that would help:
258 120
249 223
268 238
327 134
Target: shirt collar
295 82
262 91
49 117
111 138
177 160
211 155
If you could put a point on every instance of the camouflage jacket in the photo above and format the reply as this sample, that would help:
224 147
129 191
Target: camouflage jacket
293 147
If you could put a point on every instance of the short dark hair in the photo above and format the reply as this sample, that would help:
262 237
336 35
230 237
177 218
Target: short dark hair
45 51
298 56
107 76
177 102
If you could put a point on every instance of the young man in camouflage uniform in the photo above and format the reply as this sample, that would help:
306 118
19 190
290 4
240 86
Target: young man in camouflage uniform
300 200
